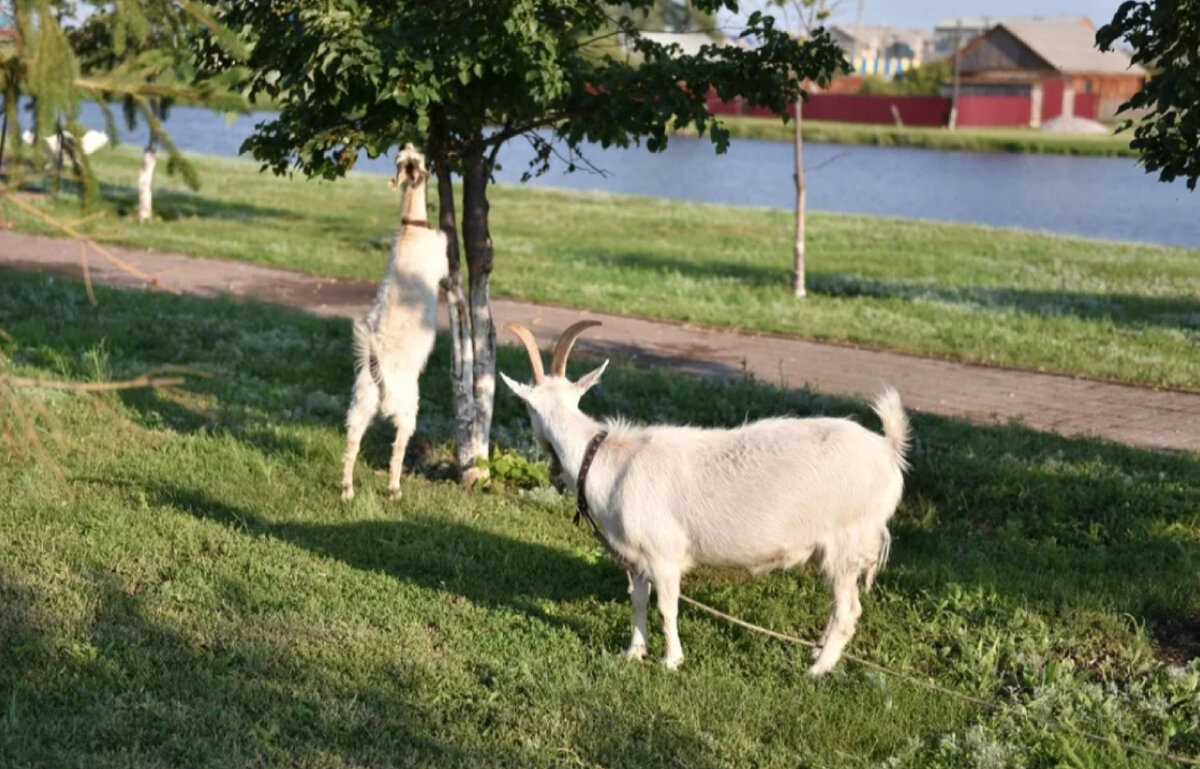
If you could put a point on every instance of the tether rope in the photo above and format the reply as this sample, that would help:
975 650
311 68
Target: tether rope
993 706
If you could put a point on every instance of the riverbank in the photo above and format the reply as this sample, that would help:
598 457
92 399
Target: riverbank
1021 140
1118 311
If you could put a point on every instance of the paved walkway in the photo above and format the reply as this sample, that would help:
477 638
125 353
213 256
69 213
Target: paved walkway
1133 415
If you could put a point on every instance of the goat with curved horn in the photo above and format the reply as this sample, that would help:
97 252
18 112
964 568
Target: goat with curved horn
531 347
766 495
562 348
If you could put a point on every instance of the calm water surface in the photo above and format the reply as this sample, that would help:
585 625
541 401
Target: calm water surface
1098 197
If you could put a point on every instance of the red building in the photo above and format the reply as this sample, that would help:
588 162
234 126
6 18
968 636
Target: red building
1051 69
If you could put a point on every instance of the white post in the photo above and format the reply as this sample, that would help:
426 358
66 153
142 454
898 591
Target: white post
145 184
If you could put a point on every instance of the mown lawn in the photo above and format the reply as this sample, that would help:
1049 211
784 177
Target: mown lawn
1017 139
190 591
1112 310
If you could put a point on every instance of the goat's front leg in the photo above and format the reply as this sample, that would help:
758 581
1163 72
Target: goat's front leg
639 597
667 583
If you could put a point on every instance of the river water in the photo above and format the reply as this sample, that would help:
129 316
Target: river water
1108 198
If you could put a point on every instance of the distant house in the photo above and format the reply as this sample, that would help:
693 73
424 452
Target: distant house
1051 63
964 29
880 50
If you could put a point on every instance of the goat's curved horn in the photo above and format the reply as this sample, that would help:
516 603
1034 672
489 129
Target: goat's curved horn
535 355
562 348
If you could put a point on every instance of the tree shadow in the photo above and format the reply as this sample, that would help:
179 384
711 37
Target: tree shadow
131 690
128 689
1130 310
170 204
485 568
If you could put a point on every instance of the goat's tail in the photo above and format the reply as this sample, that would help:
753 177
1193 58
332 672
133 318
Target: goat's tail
895 424
365 355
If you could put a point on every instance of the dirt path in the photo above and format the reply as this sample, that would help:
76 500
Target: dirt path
1133 415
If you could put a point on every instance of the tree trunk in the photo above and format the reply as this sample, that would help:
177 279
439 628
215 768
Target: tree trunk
462 348
798 289
145 183
478 245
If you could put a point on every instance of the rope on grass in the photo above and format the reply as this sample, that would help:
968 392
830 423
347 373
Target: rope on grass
993 706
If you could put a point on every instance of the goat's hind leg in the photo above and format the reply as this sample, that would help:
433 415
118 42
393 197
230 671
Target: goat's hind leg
364 402
401 406
666 581
846 611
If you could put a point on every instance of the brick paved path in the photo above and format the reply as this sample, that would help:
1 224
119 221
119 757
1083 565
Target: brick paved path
1133 415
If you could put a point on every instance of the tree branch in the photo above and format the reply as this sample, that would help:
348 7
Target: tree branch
72 232
136 383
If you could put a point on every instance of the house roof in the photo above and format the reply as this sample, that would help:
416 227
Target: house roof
987 22
867 33
1070 47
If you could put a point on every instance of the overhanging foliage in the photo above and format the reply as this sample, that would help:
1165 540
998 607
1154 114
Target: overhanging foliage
1165 37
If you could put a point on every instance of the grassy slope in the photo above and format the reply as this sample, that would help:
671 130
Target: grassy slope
193 593
1026 140
1122 311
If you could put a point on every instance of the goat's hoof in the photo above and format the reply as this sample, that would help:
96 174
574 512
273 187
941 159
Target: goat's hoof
816 652
820 669
636 653
673 663
393 494
347 493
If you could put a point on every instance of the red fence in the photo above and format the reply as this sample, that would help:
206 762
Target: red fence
993 110
973 110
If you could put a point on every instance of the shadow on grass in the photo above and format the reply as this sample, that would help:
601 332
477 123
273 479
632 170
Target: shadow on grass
181 204
1123 309
130 690
486 568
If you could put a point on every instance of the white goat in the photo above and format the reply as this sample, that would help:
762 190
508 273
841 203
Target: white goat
393 341
768 495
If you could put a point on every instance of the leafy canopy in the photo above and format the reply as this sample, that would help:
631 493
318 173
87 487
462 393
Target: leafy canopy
1165 37
353 75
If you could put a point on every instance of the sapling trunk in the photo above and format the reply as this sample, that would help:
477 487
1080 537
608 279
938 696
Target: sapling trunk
477 241
462 349
798 289
145 182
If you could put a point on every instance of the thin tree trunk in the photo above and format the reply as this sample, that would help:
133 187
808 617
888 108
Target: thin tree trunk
462 348
478 245
798 289
145 182
4 133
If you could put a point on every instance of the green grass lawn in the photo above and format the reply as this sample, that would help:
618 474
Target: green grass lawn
192 592
1018 139
1113 310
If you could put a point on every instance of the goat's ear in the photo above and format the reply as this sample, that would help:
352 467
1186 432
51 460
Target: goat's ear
589 380
520 390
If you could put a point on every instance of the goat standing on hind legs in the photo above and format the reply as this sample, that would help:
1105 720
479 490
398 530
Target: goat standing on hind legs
768 495
393 341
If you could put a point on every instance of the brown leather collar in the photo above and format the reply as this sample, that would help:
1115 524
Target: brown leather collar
581 505
415 223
